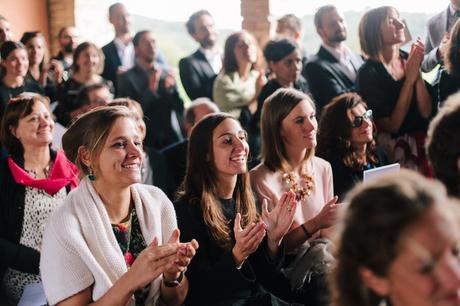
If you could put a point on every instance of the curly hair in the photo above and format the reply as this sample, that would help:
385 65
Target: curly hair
334 133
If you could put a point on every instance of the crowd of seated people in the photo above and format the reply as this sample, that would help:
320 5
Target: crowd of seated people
119 193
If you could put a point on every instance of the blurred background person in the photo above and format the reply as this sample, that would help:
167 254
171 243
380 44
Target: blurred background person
48 73
199 70
449 80
5 30
68 41
290 26
236 88
399 232
346 140
38 180
332 71
391 83
88 62
155 88
14 67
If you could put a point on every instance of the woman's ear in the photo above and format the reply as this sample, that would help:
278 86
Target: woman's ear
13 131
376 283
84 156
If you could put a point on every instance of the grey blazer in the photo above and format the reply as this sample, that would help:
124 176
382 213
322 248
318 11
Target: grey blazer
437 26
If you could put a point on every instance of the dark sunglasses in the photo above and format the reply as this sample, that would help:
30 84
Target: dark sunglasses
358 121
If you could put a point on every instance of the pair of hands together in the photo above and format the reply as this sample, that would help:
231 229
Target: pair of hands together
170 259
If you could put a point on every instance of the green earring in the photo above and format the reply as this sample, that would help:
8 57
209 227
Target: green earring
91 174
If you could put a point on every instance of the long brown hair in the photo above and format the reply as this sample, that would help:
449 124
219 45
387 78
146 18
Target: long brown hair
334 133
452 58
200 183
276 107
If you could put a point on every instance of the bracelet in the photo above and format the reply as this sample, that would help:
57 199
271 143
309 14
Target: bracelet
174 283
305 230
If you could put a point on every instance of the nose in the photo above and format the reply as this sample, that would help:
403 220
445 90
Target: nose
399 24
134 150
449 273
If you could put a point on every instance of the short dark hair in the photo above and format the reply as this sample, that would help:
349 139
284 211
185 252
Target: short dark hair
113 7
83 93
323 10
443 144
276 50
16 109
138 36
292 22
190 24
8 47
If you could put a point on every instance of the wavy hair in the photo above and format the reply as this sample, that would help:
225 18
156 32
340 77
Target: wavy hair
452 58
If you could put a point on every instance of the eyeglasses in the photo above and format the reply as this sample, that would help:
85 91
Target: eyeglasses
358 120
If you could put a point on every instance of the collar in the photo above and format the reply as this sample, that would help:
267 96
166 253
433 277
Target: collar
452 10
120 45
339 55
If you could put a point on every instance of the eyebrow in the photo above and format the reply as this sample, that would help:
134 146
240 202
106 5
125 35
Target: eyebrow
228 133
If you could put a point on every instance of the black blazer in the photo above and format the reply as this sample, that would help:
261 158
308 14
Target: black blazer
197 75
111 63
176 159
157 106
327 78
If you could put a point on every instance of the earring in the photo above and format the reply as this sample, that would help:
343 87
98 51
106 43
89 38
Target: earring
91 174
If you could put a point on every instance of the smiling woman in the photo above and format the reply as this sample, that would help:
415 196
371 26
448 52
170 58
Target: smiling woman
37 179
132 225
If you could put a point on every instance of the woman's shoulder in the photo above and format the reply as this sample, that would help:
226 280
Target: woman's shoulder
261 171
320 163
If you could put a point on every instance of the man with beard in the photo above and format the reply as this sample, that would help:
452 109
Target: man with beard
155 89
332 71
68 41
198 70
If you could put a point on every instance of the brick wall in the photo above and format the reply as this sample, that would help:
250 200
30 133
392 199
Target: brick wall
256 19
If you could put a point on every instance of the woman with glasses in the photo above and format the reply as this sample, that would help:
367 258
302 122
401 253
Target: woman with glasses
390 82
346 140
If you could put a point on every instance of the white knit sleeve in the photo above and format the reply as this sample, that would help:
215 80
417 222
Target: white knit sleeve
62 270
168 217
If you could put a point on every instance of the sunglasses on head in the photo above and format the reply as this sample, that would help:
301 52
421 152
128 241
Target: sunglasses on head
358 120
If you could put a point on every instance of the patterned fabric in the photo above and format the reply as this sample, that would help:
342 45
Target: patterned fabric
38 207
132 243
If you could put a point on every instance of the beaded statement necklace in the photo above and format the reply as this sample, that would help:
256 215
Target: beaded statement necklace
302 185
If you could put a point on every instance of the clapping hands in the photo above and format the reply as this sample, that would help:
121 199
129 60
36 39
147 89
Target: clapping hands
247 239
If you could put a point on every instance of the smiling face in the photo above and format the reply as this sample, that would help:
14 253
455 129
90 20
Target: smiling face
288 69
88 60
428 263
363 134
16 63
35 129
205 31
35 50
333 28
392 29
230 148
119 162
299 127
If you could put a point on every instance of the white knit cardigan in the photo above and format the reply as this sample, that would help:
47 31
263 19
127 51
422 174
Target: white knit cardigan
80 249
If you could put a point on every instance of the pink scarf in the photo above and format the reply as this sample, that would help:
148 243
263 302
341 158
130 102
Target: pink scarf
62 174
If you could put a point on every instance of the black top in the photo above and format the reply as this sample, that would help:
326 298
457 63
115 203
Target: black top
212 274
328 77
346 178
158 106
197 75
176 159
6 93
162 177
448 84
381 92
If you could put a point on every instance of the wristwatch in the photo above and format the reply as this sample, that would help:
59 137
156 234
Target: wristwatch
174 283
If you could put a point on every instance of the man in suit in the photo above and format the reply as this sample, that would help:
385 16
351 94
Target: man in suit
176 154
155 89
332 71
198 70
438 35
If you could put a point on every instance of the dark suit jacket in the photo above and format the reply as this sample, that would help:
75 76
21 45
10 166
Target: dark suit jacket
436 28
197 75
157 106
327 78
176 159
111 63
